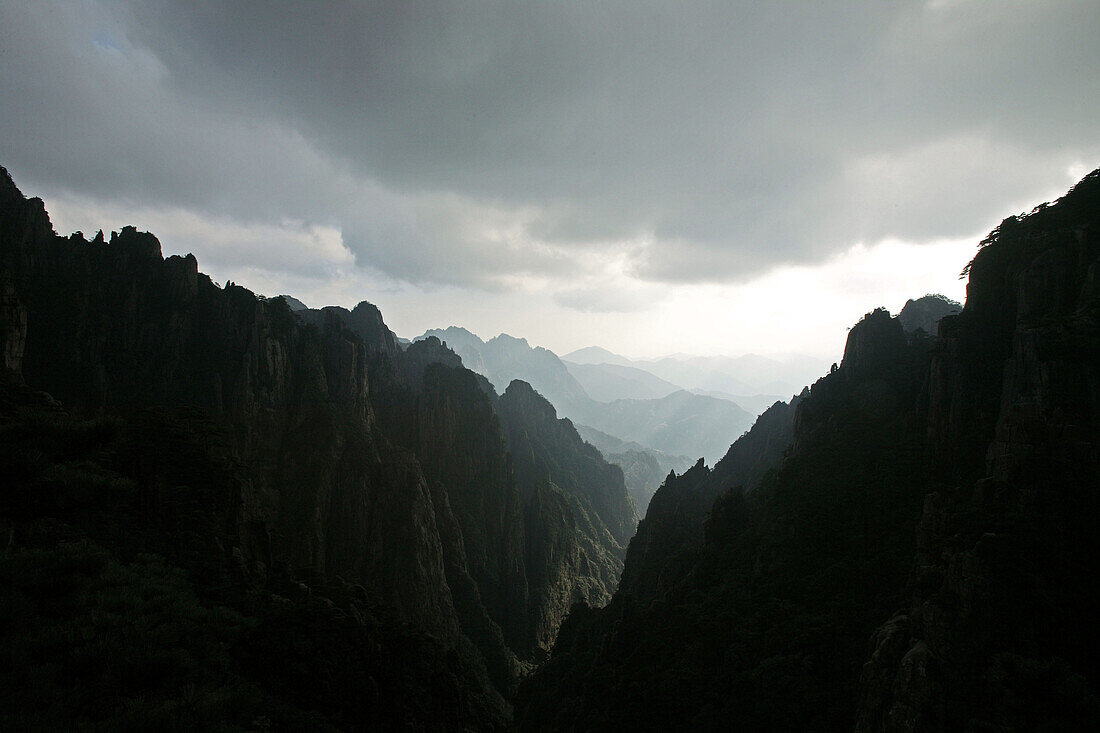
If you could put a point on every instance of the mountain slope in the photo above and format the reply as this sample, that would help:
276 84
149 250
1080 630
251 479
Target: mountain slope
610 382
580 559
681 423
937 498
331 468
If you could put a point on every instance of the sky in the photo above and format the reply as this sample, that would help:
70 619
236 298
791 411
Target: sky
714 178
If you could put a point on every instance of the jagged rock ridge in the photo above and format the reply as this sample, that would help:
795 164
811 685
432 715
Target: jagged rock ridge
347 458
937 498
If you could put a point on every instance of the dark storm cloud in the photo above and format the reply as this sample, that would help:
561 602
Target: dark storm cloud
466 142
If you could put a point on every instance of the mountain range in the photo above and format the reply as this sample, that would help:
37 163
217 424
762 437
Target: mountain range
676 423
228 512
749 374
240 512
908 545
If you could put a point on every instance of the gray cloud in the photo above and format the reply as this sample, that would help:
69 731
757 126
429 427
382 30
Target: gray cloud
468 143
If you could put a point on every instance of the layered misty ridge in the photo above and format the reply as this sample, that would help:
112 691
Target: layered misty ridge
906 546
353 533
643 422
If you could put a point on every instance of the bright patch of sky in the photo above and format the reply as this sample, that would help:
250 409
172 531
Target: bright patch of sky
649 177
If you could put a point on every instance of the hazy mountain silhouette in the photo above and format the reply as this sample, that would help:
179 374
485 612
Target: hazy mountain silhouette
679 423
643 468
596 355
505 358
925 313
294 303
610 382
720 376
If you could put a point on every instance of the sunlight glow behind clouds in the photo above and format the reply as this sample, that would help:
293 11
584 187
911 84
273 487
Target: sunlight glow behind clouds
648 177
800 309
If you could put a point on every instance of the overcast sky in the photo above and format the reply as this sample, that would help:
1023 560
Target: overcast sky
711 178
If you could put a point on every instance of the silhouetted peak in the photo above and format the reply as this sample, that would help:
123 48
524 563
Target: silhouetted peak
455 333
876 340
293 303
7 185
696 473
436 349
367 309
507 339
525 397
925 313
19 212
142 244
365 321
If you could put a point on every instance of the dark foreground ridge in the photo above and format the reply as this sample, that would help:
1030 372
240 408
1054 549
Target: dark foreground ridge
219 513
910 547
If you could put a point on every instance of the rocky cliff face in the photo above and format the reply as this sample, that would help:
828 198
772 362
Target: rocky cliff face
998 632
579 516
750 589
348 458
938 497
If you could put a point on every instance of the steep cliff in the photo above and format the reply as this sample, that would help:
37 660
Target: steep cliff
953 478
345 460
126 602
578 514
999 632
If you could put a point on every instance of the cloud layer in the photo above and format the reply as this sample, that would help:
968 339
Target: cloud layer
489 144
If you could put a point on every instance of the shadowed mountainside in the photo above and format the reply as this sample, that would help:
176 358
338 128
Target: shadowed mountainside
919 558
289 468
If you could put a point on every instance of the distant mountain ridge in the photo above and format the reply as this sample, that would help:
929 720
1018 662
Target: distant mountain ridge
927 312
679 423
643 468
505 358
610 382
597 355
749 374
